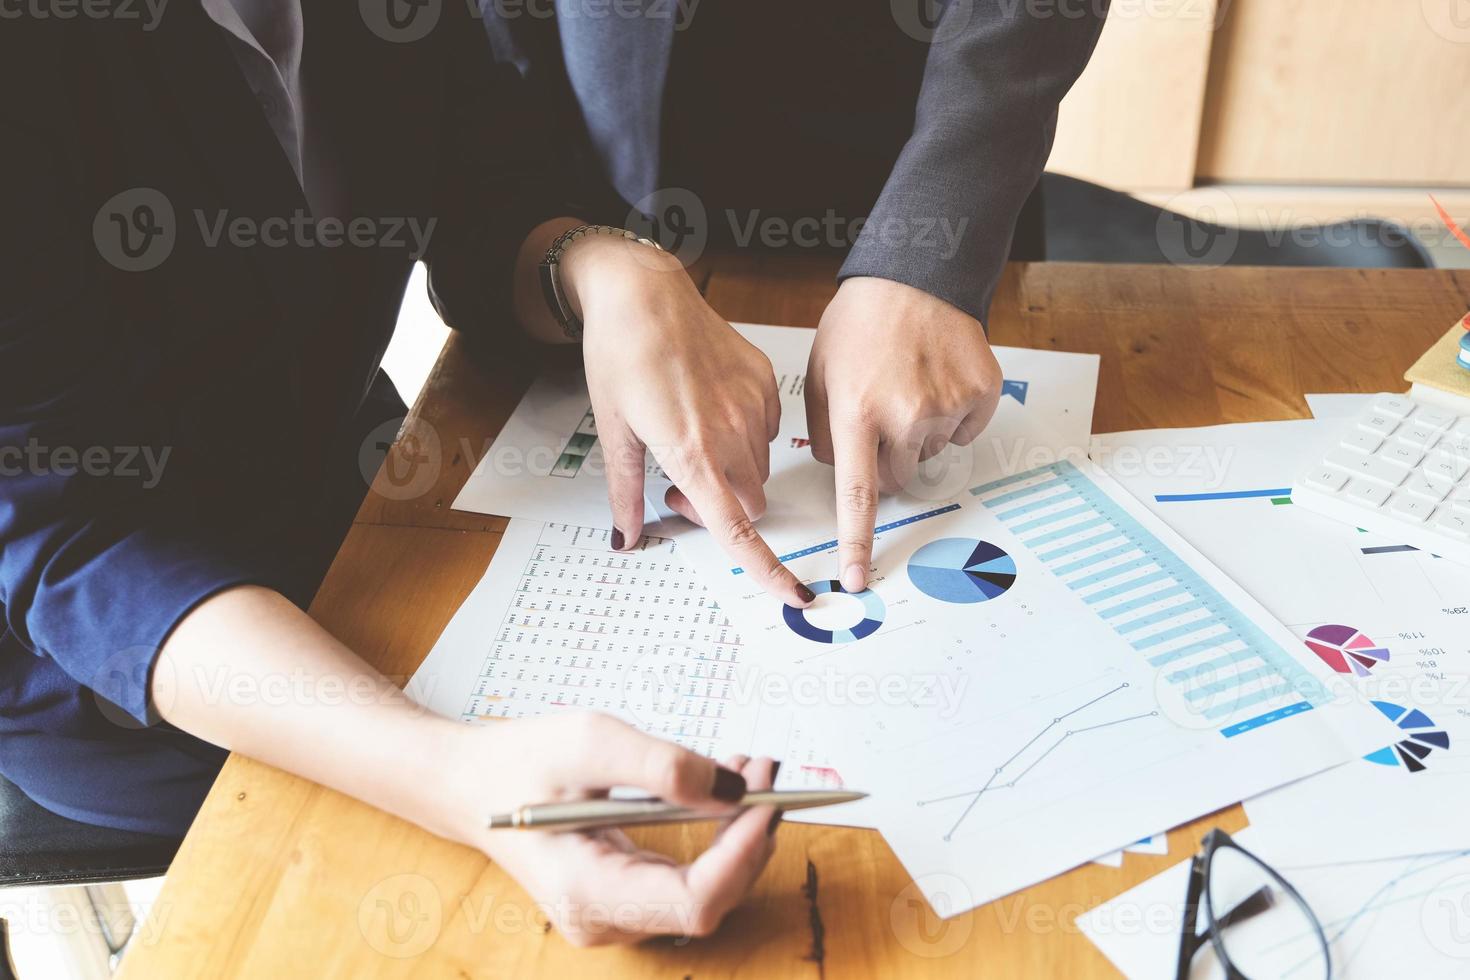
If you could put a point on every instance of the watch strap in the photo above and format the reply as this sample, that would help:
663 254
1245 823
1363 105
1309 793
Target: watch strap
551 283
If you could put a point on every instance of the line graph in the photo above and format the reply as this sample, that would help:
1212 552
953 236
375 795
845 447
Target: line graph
1345 932
991 784
1339 928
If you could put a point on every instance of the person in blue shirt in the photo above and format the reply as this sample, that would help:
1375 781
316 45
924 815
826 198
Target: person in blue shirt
209 222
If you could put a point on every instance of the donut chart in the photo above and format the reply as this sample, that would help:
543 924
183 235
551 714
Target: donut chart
962 570
873 612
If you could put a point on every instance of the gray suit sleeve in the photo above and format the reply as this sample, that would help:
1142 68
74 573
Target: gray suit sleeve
983 128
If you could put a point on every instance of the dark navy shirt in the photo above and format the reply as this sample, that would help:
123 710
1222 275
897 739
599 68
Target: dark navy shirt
184 409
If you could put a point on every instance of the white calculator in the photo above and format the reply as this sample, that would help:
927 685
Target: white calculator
1400 470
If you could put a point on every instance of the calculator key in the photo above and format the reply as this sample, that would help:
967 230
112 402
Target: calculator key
1411 508
1374 468
1414 434
1462 427
1433 418
1360 441
1326 478
1401 453
1446 466
1429 488
1454 444
1379 425
1453 524
1371 494
1394 406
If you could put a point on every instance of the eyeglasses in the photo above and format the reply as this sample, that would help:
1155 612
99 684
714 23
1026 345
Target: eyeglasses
1259 925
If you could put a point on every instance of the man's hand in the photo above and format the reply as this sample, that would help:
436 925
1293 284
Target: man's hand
668 376
895 376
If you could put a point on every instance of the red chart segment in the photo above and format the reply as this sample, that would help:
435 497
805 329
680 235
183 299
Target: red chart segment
1345 649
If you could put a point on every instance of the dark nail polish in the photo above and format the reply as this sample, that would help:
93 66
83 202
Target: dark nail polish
807 595
775 822
729 785
775 771
617 540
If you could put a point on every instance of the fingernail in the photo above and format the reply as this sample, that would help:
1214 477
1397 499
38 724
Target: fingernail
853 578
805 594
617 540
729 785
775 822
775 771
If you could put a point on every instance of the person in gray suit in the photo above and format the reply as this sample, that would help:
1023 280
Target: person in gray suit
908 134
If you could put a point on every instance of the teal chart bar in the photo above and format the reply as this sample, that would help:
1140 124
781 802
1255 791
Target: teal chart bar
1218 660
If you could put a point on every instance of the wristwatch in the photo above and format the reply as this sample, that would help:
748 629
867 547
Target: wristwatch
556 297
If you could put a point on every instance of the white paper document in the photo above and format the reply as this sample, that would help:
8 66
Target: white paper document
1059 675
546 464
1335 405
1388 918
1153 844
1390 622
561 622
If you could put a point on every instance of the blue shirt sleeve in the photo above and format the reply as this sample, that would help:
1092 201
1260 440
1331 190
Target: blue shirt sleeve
99 555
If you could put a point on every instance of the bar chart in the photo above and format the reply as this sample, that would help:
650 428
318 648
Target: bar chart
1220 662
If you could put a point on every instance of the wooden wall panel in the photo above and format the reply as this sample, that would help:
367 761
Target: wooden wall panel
1340 92
1132 120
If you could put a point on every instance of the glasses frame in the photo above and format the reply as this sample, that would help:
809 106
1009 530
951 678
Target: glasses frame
1191 941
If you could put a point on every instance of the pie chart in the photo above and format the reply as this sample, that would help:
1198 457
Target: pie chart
1420 738
962 570
1345 649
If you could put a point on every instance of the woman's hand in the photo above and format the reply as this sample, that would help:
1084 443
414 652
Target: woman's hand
598 887
449 777
895 375
668 376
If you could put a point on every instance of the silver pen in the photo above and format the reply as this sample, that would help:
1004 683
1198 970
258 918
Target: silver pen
588 814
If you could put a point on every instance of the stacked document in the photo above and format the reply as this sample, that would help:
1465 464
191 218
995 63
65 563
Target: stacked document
1391 622
1042 670
1377 847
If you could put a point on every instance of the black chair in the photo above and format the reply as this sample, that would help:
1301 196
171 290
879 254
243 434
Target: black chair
37 847
1088 223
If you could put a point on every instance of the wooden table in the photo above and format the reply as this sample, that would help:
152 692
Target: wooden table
280 877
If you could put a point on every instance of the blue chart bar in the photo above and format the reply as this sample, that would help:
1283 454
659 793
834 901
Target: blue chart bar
829 545
1266 719
1221 662
1179 498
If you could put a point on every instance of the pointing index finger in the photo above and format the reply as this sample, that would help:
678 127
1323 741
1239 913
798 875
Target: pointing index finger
726 519
855 448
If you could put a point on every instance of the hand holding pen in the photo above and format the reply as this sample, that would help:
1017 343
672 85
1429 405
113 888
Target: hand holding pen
598 886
